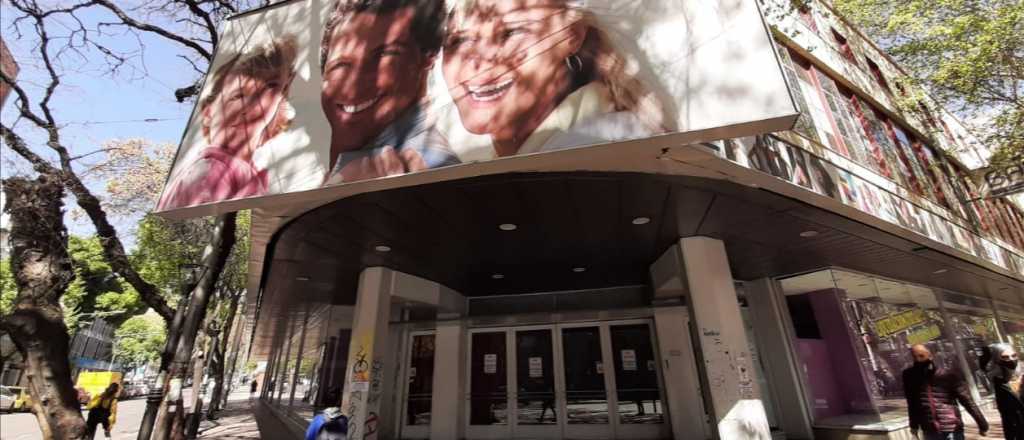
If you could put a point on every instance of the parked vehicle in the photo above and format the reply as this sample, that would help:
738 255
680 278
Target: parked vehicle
134 390
14 399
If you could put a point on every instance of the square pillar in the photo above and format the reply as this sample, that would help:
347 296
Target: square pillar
682 386
361 399
448 399
772 325
737 410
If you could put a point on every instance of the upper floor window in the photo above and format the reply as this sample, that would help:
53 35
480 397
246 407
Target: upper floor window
807 17
929 118
844 46
879 77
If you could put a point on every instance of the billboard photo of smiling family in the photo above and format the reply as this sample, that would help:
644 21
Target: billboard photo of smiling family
315 93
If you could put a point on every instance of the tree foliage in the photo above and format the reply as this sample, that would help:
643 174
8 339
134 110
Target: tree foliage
96 287
7 288
969 54
139 340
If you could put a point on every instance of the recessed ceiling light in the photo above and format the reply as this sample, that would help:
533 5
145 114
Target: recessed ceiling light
941 271
301 278
497 276
579 269
507 226
382 248
641 220
809 234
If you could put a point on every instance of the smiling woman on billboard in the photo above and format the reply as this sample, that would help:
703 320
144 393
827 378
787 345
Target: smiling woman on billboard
540 75
245 107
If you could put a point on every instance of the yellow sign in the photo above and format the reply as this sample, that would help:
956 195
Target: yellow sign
899 322
981 329
924 335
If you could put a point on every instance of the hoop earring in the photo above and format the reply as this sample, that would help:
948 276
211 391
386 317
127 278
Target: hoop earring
574 63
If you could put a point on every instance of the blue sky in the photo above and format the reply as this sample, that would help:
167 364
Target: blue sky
96 106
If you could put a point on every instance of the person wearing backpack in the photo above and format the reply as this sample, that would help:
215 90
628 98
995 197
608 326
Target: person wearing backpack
328 425
102 411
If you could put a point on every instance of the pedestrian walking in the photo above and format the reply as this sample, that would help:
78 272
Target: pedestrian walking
252 389
328 425
102 411
932 395
1005 374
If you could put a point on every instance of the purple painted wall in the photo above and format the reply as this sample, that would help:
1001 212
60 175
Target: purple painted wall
833 369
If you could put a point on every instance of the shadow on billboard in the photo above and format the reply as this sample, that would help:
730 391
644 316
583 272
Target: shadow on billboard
305 94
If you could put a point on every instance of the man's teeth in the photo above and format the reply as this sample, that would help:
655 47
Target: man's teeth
489 92
356 108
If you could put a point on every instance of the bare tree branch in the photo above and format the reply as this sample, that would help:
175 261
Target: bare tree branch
207 21
127 20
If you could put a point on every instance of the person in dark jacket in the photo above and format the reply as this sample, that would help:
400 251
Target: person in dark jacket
932 395
1005 375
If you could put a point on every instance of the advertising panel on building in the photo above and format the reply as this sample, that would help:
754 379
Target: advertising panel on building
306 94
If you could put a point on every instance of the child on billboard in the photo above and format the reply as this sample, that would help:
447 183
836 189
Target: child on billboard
245 108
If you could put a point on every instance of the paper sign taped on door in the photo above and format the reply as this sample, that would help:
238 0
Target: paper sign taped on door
628 360
536 367
489 363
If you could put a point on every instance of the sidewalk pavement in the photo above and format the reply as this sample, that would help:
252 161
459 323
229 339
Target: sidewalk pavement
236 421
995 425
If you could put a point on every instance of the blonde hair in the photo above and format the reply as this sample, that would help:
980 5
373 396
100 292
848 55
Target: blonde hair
274 60
601 61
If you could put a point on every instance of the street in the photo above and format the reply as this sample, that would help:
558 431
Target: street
23 426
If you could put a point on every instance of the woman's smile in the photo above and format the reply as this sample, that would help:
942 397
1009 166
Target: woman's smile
490 91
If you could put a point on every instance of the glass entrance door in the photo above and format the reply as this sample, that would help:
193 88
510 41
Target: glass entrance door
419 384
588 380
488 385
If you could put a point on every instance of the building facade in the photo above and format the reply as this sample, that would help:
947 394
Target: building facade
746 287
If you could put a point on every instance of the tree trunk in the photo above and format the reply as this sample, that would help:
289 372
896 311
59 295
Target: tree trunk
214 257
233 352
217 360
155 399
42 271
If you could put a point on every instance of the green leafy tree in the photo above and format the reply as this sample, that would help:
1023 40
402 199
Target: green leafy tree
96 289
969 54
139 340
7 288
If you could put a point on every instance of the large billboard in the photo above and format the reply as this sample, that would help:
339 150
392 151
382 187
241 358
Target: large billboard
313 93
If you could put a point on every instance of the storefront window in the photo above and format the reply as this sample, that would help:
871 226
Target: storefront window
853 334
309 362
972 323
1012 318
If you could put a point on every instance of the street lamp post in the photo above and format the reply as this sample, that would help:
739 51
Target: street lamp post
190 277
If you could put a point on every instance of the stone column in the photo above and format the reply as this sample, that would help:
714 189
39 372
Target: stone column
737 410
682 383
770 319
448 399
361 399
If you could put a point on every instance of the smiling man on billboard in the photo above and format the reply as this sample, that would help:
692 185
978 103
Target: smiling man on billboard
376 57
